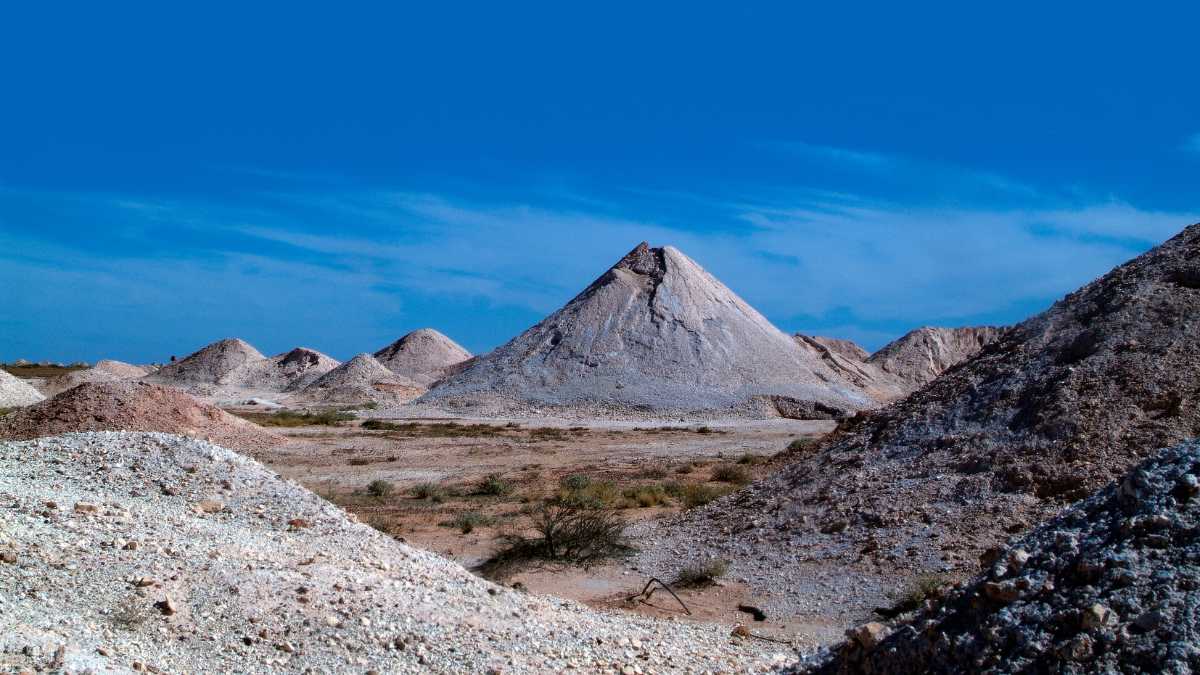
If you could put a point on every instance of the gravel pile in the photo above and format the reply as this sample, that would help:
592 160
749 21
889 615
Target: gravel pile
360 380
844 348
1054 409
290 371
15 392
208 365
154 553
654 333
126 371
106 370
423 356
134 406
1110 585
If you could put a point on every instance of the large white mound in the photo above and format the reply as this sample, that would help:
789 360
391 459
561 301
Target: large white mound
654 333
208 365
291 370
158 553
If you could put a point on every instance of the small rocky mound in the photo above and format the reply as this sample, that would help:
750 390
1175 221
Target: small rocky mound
1111 585
423 356
133 406
106 370
1057 407
290 371
655 334
360 380
208 365
15 392
925 353
124 552
125 371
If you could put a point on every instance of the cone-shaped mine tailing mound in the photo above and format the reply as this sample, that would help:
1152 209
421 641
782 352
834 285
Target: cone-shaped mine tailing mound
360 380
844 348
656 333
133 406
15 392
289 371
265 570
1056 407
423 356
1109 586
208 365
923 354
105 370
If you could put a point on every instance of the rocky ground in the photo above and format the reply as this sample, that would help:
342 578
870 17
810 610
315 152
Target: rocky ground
147 552
1110 585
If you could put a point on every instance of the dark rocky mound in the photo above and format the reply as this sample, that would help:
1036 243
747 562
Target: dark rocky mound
655 333
1055 408
1111 585
133 406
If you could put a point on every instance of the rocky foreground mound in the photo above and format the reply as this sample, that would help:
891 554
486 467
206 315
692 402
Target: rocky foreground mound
423 356
208 365
1055 408
654 334
1111 585
15 392
156 553
133 406
291 370
360 380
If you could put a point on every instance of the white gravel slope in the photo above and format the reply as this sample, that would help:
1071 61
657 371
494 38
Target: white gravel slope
263 576
15 392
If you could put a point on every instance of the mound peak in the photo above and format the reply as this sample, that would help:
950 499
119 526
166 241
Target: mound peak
289 371
133 406
361 380
655 333
16 392
209 364
105 370
423 356
1056 407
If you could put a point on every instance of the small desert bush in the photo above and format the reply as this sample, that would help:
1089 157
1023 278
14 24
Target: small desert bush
922 588
467 521
801 444
750 459
380 488
646 496
564 533
130 613
684 468
654 473
731 473
704 430
590 493
548 434
703 573
494 485
691 495
293 418
435 429
575 481
431 491
387 524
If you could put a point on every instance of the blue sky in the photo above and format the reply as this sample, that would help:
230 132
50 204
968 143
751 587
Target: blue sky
334 176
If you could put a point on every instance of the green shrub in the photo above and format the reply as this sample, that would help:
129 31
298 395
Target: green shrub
692 495
702 574
564 533
380 488
749 459
467 521
731 473
494 485
684 468
593 494
575 482
646 495
292 418
801 444
431 491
